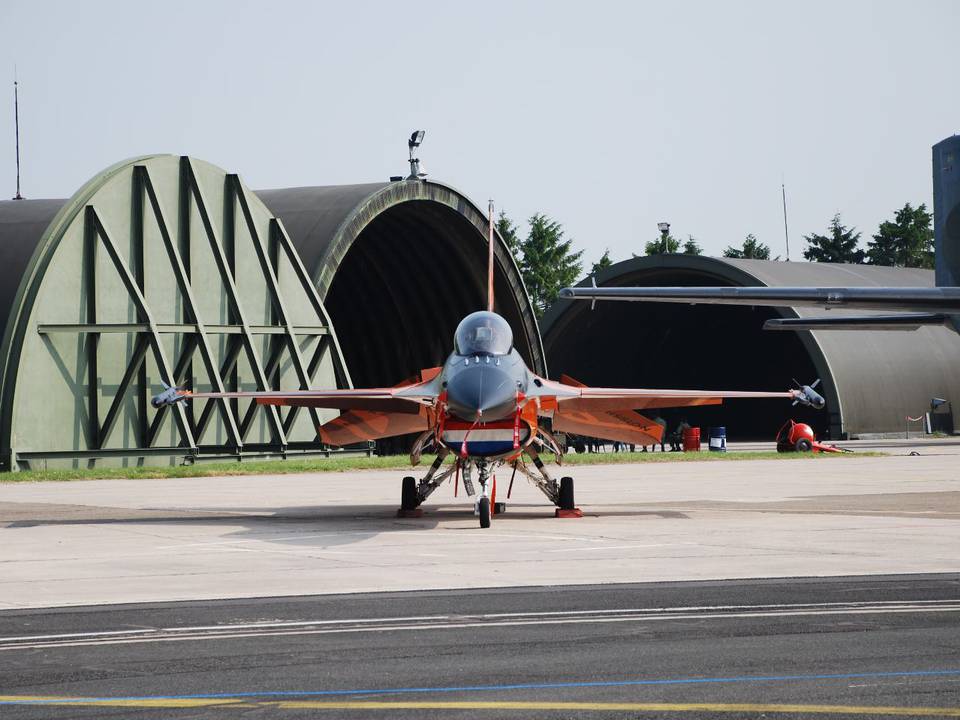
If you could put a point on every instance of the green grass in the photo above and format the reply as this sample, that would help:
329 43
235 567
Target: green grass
392 462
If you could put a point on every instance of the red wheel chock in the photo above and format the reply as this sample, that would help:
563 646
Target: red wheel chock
575 513
415 513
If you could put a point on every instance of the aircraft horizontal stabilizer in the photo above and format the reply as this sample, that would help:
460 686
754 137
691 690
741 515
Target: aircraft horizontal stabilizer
360 426
624 426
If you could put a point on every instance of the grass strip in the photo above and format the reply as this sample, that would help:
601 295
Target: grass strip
350 463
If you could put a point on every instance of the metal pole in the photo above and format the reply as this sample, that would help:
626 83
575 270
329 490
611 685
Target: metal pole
16 125
786 232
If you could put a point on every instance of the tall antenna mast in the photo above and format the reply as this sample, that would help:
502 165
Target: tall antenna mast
490 260
786 232
16 125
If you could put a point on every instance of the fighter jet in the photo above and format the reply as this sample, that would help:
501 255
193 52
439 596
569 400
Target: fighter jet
485 407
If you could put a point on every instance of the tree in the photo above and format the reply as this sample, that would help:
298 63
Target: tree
840 246
508 231
905 242
602 264
548 262
752 249
692 247
663 245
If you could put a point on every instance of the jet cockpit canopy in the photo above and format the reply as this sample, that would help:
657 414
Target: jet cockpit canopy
483 333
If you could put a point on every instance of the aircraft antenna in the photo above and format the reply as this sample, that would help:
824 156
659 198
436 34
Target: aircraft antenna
490 259
16 125
786 232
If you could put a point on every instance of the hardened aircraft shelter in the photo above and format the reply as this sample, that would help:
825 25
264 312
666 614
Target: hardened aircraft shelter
872 380
168 270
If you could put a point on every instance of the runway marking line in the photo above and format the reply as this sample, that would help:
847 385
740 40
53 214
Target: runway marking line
449 622
488 705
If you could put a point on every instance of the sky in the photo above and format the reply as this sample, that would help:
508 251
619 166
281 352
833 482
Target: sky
607 116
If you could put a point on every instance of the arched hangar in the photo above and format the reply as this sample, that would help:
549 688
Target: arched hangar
398 265
872 380
165 269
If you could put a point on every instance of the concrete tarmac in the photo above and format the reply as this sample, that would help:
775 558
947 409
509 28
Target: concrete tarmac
119 541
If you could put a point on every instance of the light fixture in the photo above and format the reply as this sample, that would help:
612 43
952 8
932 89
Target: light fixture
416 137
664 227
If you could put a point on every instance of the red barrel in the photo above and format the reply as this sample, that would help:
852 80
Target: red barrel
691 440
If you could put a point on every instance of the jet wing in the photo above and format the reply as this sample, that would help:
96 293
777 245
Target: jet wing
374 399
572 395
609 412
907 299
369 414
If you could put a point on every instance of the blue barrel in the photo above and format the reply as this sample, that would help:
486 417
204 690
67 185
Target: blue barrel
718 439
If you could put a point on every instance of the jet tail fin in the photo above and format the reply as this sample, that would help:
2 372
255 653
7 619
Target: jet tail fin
490 259
946 211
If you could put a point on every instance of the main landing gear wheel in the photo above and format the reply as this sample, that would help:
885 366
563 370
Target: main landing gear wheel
484 507
409 499
803 445
566 494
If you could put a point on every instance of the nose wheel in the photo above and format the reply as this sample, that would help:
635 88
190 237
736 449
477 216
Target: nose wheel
484 508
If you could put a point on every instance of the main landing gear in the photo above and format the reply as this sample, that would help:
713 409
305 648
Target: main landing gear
560 494
414 493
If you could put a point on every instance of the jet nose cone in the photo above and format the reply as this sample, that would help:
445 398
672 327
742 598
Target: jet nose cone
481 389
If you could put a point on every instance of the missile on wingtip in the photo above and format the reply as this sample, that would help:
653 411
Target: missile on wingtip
169 396
806 395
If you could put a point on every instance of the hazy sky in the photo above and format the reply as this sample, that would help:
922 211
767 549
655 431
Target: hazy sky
608 116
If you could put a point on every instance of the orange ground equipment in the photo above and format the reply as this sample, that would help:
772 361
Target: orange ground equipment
799 437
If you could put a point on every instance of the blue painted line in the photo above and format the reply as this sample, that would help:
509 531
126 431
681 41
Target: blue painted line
524 686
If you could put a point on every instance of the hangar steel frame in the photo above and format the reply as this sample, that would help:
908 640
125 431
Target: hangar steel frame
282 339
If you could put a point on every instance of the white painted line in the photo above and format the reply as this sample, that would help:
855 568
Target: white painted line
443 622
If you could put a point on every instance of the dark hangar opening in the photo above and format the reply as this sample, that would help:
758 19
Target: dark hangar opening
404 285
631 344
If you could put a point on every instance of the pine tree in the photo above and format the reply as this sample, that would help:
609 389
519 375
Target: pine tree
508 231
905 242
840 246
602 264
548 262
752 249
692 247
663 245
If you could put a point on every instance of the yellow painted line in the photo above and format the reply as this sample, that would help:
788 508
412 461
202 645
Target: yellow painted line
490 705
625 707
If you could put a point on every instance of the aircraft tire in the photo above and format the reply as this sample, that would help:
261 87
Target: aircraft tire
566 494
409 499
484 507
803 445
